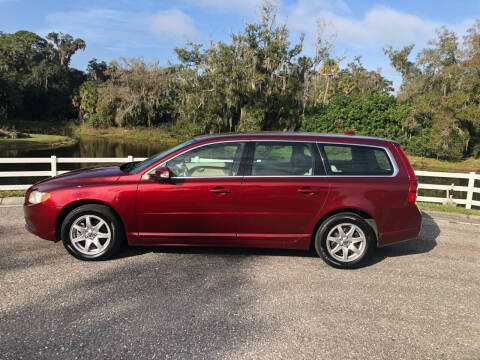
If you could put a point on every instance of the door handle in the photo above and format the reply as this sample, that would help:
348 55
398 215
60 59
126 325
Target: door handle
220 190
307 190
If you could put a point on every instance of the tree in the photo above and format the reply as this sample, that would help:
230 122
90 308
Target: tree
329 70
32 83
355 79
444 93
97 70
253 83
65 46
373 115
400 62
135 93
471 40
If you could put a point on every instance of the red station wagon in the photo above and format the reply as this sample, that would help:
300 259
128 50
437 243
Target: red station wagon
341 195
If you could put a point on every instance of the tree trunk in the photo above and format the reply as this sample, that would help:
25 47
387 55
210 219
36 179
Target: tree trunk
326 90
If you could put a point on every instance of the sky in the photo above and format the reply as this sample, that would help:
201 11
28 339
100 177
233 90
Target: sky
152 29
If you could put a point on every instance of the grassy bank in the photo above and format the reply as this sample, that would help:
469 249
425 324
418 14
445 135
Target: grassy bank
12 193
467 165
450 209
35 142
39 138
138 134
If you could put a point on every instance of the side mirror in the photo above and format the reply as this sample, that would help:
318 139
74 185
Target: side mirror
163 174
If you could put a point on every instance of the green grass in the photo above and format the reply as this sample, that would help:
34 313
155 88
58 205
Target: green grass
467 165
38 138
12 193
138 134
444 208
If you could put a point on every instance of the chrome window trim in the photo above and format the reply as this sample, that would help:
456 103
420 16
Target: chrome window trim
389 154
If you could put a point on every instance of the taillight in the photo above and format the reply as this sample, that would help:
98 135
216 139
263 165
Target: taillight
412 191
413 181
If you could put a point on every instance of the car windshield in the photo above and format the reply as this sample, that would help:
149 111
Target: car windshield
146 163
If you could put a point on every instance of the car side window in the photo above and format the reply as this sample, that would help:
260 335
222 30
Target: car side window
215 160
357 160
283 159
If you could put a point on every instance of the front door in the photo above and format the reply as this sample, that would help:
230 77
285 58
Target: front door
281 195
199 204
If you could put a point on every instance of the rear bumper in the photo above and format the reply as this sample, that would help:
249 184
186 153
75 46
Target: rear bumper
413 226
398 236
40 219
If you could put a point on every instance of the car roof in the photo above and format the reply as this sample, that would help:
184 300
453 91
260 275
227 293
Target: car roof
293 136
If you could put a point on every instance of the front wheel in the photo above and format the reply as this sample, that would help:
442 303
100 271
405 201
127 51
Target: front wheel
344 240
92 232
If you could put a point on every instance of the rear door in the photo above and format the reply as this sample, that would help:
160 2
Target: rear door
365 177
282 192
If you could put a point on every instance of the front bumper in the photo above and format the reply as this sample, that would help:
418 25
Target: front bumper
40 219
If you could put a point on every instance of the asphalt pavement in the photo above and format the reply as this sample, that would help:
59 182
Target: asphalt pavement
415 300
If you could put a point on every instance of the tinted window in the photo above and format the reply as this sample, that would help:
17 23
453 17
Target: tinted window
222 159
282 159
357 160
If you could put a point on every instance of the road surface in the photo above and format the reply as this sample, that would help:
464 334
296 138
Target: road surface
415 300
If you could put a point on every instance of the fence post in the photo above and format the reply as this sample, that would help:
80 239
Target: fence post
130 158
53 165
471 186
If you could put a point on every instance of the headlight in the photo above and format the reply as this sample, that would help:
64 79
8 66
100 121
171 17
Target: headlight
37 197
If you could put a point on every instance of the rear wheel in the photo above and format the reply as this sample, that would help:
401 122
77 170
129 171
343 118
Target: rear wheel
92 232
344 240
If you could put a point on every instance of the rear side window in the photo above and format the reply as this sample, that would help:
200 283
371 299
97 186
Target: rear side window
283 159
357 160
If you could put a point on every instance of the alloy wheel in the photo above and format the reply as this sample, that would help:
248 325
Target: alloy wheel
346 242
90 235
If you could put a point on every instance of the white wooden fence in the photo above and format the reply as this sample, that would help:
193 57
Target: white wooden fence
470 189
53 161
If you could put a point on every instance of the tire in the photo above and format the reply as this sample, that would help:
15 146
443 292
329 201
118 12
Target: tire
344 240
92 232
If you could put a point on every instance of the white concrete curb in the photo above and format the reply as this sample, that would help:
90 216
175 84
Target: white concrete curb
11 201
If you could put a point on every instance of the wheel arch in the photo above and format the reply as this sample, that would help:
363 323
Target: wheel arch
363 214
73 205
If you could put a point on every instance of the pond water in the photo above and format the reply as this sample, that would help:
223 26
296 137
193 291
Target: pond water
84 147
87 147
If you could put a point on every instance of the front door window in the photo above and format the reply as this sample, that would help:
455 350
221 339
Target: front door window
216 160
